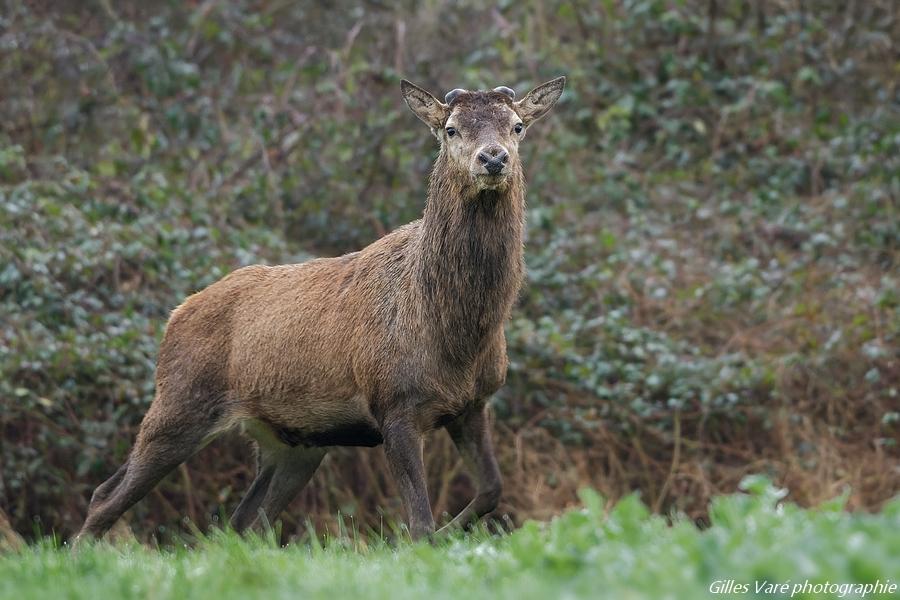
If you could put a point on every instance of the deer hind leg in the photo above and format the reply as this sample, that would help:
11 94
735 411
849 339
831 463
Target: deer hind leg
168 437
282 471
246 512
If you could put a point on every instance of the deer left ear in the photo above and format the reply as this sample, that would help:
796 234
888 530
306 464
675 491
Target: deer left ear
540 100
429 109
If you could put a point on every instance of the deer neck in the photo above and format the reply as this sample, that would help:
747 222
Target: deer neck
470 263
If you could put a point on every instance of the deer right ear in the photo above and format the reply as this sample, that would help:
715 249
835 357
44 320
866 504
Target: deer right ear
429 109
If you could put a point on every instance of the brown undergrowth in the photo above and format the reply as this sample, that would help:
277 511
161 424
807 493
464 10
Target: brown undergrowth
677 471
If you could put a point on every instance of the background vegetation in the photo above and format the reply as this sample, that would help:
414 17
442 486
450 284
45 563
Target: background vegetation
712 246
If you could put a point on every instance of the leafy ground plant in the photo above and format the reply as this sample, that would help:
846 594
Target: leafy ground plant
619 550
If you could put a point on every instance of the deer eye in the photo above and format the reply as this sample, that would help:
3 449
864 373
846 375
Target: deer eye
518 128
451 131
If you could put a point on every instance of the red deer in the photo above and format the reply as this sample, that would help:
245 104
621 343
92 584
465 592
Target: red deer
378 346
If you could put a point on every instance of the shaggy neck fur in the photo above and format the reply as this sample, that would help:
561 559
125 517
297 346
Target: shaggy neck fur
470 261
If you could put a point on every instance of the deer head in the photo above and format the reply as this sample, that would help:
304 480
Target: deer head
480 131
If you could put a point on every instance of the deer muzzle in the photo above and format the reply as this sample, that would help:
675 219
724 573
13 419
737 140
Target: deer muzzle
493 159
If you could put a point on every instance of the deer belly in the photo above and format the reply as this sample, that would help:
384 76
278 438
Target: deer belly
271 432
350 434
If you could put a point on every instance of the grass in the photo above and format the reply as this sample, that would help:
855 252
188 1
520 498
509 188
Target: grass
619 551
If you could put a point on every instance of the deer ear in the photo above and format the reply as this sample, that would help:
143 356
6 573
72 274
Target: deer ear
540 100
428 108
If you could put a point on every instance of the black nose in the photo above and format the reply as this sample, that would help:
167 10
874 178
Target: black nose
493 159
